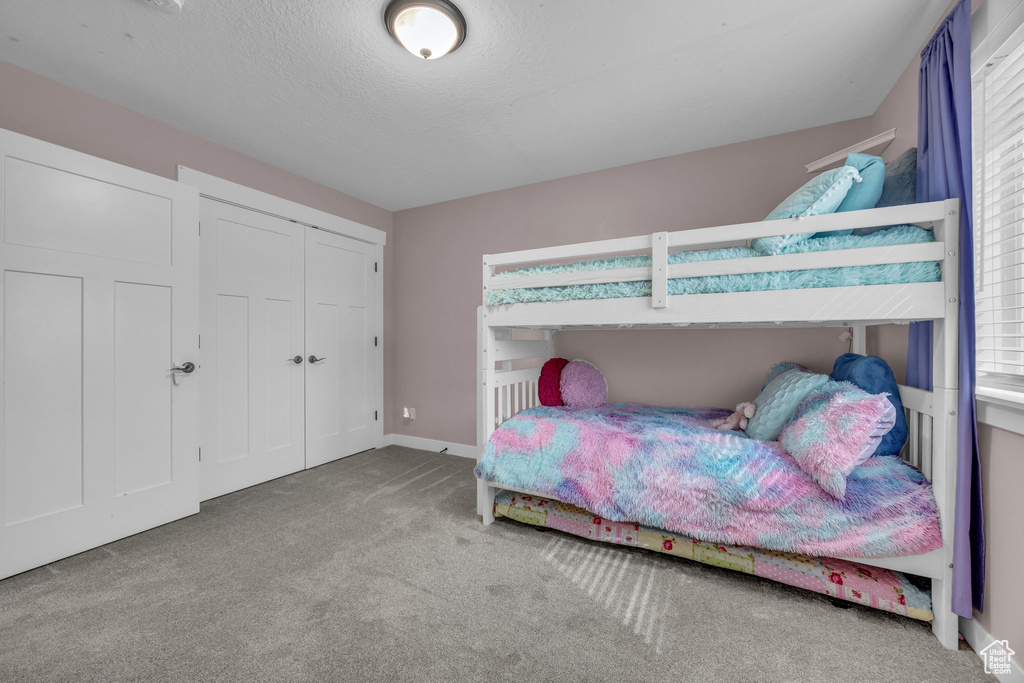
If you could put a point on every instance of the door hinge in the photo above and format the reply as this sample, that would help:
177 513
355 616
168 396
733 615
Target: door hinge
374 341
375 415
200 341
200 454
375 266
200 229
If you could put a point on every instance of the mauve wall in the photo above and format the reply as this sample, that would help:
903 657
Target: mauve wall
1002 481
438 251
44 109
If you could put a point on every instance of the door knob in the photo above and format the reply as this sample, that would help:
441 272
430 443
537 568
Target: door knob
187 368
297 360
314 359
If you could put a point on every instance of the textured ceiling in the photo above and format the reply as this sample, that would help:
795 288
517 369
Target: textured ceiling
541 89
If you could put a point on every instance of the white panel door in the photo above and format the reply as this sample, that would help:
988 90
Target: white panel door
98 302
252 344
341 371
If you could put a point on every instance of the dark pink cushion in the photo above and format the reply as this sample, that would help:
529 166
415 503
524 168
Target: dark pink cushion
548 388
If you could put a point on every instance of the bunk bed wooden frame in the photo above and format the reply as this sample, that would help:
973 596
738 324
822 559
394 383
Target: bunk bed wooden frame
509 369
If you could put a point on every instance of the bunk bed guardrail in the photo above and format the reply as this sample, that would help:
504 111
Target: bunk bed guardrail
901 302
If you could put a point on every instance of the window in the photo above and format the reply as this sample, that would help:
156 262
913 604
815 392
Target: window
999 221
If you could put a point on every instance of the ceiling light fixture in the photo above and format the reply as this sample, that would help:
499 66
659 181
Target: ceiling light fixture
427 28
169 6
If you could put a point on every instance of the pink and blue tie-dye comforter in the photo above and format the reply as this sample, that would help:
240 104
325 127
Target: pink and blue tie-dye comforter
666 468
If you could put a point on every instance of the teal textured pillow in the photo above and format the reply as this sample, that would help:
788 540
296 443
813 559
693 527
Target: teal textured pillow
781 368
862 195
779 400
820 195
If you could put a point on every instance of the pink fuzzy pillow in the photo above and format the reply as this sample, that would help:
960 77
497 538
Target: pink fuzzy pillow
836 429
549 386
583 385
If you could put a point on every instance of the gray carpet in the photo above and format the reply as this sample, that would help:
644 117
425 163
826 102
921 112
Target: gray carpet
376 568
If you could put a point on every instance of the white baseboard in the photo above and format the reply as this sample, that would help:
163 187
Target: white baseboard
459 449
978 638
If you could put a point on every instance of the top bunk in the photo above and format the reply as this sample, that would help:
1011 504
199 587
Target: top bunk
704 278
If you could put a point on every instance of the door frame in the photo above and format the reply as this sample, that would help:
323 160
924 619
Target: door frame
218 189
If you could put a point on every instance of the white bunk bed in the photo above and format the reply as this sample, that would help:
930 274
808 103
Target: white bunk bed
507 387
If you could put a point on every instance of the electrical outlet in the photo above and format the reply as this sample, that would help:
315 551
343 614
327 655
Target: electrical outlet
412 413
409 413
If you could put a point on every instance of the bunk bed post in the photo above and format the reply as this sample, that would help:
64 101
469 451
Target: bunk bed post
481 383
485 406
659 270
859 341
488 274
945 383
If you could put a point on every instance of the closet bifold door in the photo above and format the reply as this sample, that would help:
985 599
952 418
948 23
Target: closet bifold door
253 347
99 346
341 370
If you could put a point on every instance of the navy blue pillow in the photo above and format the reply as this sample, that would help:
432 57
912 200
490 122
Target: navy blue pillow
900 184
873 375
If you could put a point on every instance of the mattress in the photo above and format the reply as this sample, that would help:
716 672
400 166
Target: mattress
883 274
871 586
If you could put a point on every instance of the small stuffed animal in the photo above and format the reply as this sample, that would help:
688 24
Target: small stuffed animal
739 419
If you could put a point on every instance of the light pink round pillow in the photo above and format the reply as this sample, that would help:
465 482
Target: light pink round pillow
583 385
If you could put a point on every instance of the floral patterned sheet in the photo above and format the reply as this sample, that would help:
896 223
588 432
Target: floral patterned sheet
871 586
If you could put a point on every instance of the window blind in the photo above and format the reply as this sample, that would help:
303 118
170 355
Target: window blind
999 216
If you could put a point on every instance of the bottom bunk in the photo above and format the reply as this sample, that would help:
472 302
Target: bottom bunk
825 483
843 579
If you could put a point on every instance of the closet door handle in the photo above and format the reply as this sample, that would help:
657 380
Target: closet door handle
314 359
187 368
297 360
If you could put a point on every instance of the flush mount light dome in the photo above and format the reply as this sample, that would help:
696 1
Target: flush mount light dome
427 28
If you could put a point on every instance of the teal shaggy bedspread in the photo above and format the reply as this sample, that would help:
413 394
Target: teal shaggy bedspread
885 274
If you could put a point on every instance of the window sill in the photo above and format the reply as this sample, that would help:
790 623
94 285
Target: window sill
1001 408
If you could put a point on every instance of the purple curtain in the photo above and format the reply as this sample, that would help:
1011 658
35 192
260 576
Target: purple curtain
944 171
